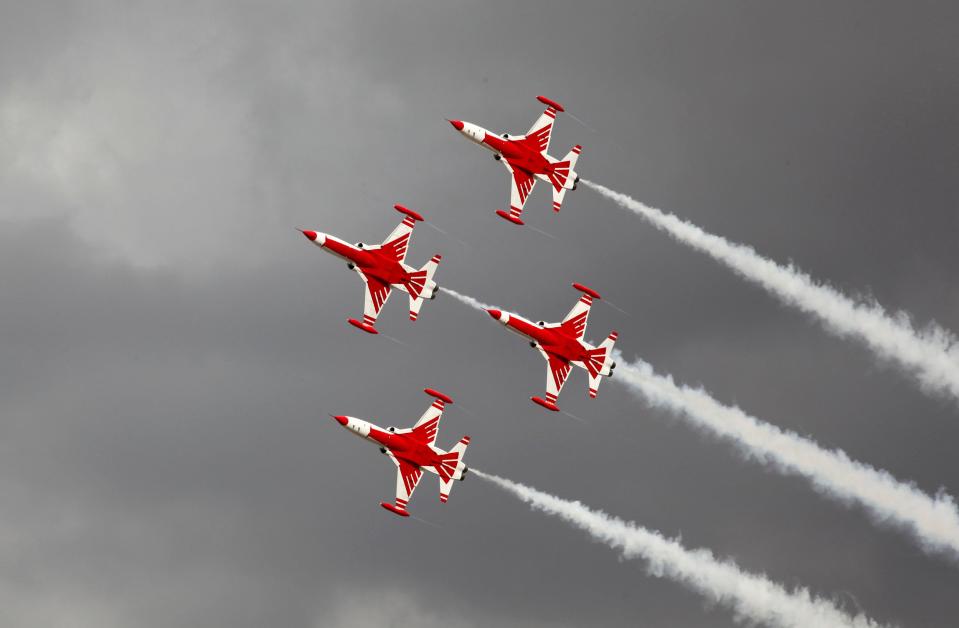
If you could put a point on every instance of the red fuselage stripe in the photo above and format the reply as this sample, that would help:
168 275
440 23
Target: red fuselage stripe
519 155
553 340
378 264
406 447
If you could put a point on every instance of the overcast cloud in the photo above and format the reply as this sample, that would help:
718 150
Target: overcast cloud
171 347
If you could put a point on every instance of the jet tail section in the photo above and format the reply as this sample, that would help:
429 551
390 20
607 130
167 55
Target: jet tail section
421 286
564 177
600 363
451 467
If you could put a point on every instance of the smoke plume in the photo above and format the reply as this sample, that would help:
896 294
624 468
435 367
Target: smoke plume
932 521
753 598
932 356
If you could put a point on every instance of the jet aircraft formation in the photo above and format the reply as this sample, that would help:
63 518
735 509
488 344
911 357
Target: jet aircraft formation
382 267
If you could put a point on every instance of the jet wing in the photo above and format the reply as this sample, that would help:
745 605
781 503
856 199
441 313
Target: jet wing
539 134
521 186
398 241
407 478
377 292
575 321
429 424
557 371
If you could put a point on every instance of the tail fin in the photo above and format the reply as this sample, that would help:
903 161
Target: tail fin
421 286
564 177
451 467
600 363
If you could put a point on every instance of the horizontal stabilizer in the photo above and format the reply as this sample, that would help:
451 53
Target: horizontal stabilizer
420 285
564 177
453 467
600 363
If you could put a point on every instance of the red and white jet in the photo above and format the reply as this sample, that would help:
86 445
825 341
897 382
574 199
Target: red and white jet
381 267
414 451
562 345
526 159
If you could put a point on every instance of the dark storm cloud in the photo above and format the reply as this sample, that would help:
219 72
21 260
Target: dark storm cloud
172 347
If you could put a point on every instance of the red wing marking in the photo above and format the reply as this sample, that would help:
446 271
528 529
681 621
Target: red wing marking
410 475
523 185
427 431
398 241
397 248
577 324
559 370
415 282
447 465
595 358
558 174
539 139
377 293
575 321
429 424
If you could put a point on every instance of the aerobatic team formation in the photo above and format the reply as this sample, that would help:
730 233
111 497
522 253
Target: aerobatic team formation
383 267
930 356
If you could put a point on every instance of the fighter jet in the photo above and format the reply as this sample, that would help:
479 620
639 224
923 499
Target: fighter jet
414 451
562 345
526 159
381 267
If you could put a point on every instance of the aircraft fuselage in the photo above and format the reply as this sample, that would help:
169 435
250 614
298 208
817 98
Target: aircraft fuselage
405 447
517 152
553 340
374 263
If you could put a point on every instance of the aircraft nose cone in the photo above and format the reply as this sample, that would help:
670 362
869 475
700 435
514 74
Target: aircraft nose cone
310 235
457 124
342 420
496 314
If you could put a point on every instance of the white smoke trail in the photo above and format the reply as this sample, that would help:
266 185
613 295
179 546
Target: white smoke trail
932 356
753 598
932 521
470 301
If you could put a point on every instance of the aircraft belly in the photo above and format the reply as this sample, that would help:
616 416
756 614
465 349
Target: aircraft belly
418 455
560 350
384 275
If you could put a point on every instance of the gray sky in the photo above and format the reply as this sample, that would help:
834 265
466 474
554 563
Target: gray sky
171 347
